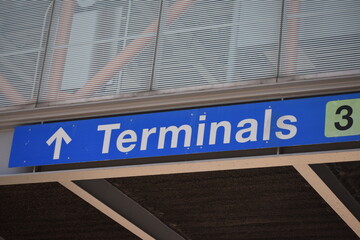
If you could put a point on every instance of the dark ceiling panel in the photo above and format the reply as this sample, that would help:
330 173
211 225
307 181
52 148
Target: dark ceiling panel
271 203
348 174
50 211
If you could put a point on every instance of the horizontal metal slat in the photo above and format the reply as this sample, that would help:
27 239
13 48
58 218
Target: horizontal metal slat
320 37
23 30
218 42
101 49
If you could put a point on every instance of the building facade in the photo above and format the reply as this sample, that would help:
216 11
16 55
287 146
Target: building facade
87 59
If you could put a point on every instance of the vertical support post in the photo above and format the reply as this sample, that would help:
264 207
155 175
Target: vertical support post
58 57
282 19
292 43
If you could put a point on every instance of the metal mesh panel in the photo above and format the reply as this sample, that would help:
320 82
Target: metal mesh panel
216 42
23 28
320 36
104 48
99 48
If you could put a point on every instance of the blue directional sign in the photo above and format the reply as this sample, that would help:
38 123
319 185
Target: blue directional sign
200 130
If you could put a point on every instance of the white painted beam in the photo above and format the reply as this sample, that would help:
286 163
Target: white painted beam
106 210
184 167
325 192
128 208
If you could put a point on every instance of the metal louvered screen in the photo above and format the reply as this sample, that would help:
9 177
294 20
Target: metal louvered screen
217 42
23 31
99 48
80 49
320 37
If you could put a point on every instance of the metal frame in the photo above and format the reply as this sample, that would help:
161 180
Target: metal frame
328 177
93 194
125 207
325 192
184 167
173 99
106 210
84 182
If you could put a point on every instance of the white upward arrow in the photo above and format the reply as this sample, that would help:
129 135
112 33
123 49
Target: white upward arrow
58 136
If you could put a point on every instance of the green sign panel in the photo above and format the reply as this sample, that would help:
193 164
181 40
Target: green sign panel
342 118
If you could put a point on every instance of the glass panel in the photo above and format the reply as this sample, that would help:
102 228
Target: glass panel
216 42
78 58
94 48
23 28
320 36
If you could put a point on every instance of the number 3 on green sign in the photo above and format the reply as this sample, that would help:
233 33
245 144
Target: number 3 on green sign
342 118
